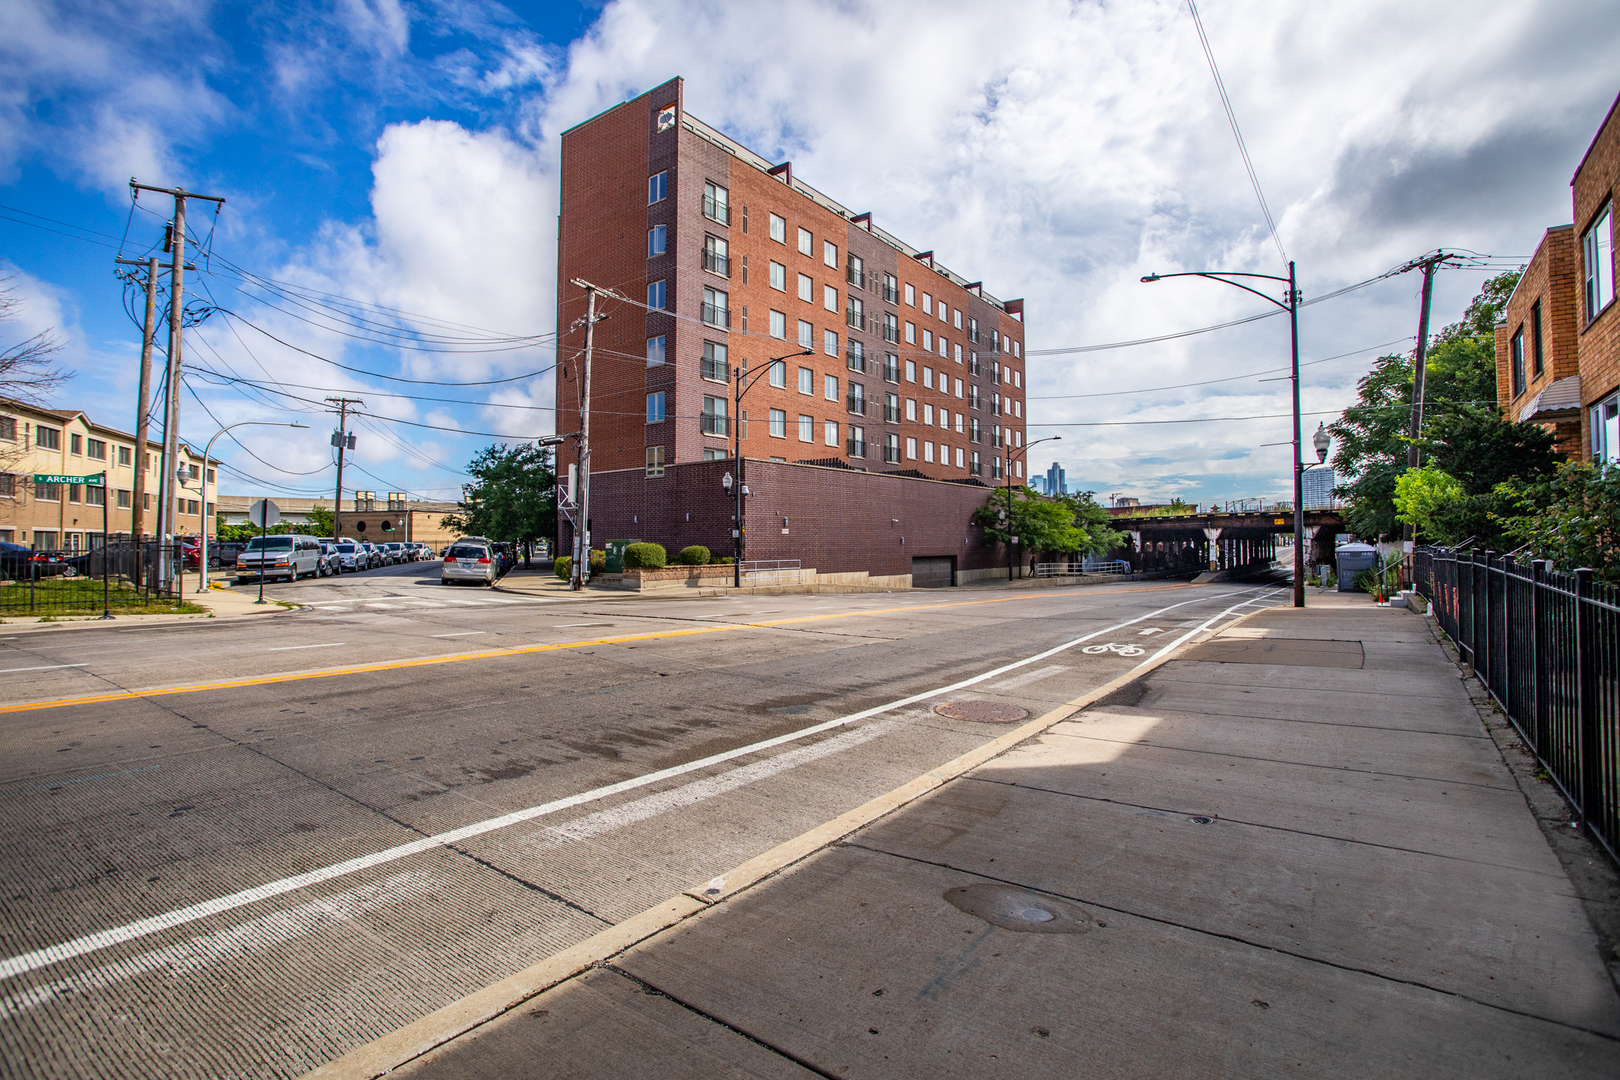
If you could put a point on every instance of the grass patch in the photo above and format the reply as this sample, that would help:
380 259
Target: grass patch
83 596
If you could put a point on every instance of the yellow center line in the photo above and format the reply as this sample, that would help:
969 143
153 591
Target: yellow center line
520 650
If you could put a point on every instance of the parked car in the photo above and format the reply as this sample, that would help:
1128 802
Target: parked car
283 556
224 554
331 562
469 562
352 556
396 552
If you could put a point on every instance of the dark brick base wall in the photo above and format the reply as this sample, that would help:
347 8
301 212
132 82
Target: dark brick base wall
835 520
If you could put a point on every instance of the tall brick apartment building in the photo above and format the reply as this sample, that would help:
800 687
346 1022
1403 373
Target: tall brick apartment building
889 392
1558 345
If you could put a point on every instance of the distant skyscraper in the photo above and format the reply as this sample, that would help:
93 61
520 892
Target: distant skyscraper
1056 483
1038 484
1319 485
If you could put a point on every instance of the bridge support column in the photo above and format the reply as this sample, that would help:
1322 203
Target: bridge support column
1214 538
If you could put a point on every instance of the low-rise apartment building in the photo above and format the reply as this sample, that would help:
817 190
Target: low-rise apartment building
68 517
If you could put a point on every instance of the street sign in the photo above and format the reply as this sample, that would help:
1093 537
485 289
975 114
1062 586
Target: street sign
264 513
93 480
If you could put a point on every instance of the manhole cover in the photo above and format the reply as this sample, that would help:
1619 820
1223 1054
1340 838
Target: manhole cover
984 712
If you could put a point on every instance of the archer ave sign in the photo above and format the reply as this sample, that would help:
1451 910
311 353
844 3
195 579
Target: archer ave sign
93 480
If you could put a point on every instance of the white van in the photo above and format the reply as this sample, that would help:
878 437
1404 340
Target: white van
291 557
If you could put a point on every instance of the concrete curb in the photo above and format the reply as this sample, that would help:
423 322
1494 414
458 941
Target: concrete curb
400 1047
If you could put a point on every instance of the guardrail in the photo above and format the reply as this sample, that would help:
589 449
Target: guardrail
772 572
1085 566
1546 645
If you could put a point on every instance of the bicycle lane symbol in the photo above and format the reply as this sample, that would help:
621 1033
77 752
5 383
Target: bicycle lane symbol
1123 650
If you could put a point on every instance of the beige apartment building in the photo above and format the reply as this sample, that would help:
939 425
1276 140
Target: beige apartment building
67 517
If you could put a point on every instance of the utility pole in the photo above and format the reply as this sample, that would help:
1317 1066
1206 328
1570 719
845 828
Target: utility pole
343 441
171 422
1428 264
582 524
137 520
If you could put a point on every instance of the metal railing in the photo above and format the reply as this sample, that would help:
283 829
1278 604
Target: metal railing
1084 566
772 572
716 316
138 573
715 424
716 263
715 210
856 405
1546 645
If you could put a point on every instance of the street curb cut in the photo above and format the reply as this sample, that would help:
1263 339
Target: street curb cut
398 1048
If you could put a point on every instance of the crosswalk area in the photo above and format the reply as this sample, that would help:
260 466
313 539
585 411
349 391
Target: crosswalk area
423 601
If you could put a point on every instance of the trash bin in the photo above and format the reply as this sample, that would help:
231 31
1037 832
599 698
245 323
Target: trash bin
1352 559
615 555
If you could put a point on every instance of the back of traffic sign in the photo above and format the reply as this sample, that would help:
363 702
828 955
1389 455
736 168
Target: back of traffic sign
264 513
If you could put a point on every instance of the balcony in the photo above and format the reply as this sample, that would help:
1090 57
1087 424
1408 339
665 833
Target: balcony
717 316
973 364
856 318
715 424
716 263
891 330
857 405
855 277
891 293
857 360
891 455
891 369
715 210
891 413
975 468
857 448
714 370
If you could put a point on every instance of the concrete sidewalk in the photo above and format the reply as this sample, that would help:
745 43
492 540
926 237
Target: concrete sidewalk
1293 850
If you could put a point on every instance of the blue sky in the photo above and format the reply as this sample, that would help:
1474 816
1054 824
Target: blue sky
402 156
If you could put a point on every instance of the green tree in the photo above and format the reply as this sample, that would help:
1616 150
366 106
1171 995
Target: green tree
1064 524
1095 521
1572 518
1424 496
1371 435
513 495
322 521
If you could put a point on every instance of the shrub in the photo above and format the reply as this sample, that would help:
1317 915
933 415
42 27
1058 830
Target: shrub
598 561
565 566
724 560
696 555
645 556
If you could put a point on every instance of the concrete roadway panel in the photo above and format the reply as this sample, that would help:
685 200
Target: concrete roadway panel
139 808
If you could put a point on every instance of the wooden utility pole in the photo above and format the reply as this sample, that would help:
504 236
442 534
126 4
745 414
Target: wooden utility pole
1428 264
171 421
582 524
343 441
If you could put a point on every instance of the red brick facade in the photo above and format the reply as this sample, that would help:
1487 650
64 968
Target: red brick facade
1594 189
1541 314
910 367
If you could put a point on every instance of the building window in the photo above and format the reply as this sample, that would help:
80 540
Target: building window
829 298
75 493
715 308
829 342
779 228
806 243
829 387
1535 338
655 407
714 416
76 443
857 355
807 334
958 457
1516 354
47 492
829 253
716 203
928 304
807 289
807 428
716 255
778 374
857 399
973 331
928 452
891 327
1606 430
857 441
829 432
655 461
778 424
124 456
928 414
855 312
911 371
711 453
656 295
891 368
657 187
855 271
928 377
891 408
891 294
973 396
807 381
95 448
911 449
657 240
123 499
911 333
891 448
961 423
95 496
928 341
956 318
778 276
779 325
1597 249
714 362
958 348
655 351
911 296
911 409
958 385
8 486
8 428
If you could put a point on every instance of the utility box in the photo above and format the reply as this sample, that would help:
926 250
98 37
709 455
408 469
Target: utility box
1352 560
615 555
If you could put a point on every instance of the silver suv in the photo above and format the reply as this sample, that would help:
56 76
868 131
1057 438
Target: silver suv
468 562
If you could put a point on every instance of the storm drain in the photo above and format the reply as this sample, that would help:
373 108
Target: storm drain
983 712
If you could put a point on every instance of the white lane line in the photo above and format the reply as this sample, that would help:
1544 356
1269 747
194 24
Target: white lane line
47 667
1027 678
326 645
463 633
1201 627
12 966
567 625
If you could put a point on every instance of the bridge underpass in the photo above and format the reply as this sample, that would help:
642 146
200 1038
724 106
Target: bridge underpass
1215 542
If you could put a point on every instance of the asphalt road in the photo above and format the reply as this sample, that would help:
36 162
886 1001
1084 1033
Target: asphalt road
243 848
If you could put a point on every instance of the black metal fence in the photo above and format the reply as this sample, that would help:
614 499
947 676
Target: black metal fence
137 574
1546 644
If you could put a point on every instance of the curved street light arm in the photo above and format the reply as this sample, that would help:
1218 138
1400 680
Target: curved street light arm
202 530
1223 276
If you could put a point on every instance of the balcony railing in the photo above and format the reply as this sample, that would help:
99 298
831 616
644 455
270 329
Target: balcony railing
891 455
855 277
973 364
857 405
856 318
715 210
891 413
891 370
975 468
857 448
891 330
717 316
891 294
857 360
715 424
716 263
714 369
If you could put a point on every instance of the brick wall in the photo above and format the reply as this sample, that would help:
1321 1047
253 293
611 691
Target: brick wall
1549 280
1594 186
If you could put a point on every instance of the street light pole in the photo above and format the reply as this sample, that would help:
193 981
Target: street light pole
1006 483
739 379
202 540
1292 307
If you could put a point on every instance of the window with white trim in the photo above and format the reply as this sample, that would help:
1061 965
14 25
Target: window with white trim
655 350
1606 430
911 296
778 374
779 324
829 298
829 388
807 381
829 253
657 187
928 452
807 428
655 407
911 448
928 303
807 289
1597 251
807 334
806 243
778 276
779 228
829 431
778 424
